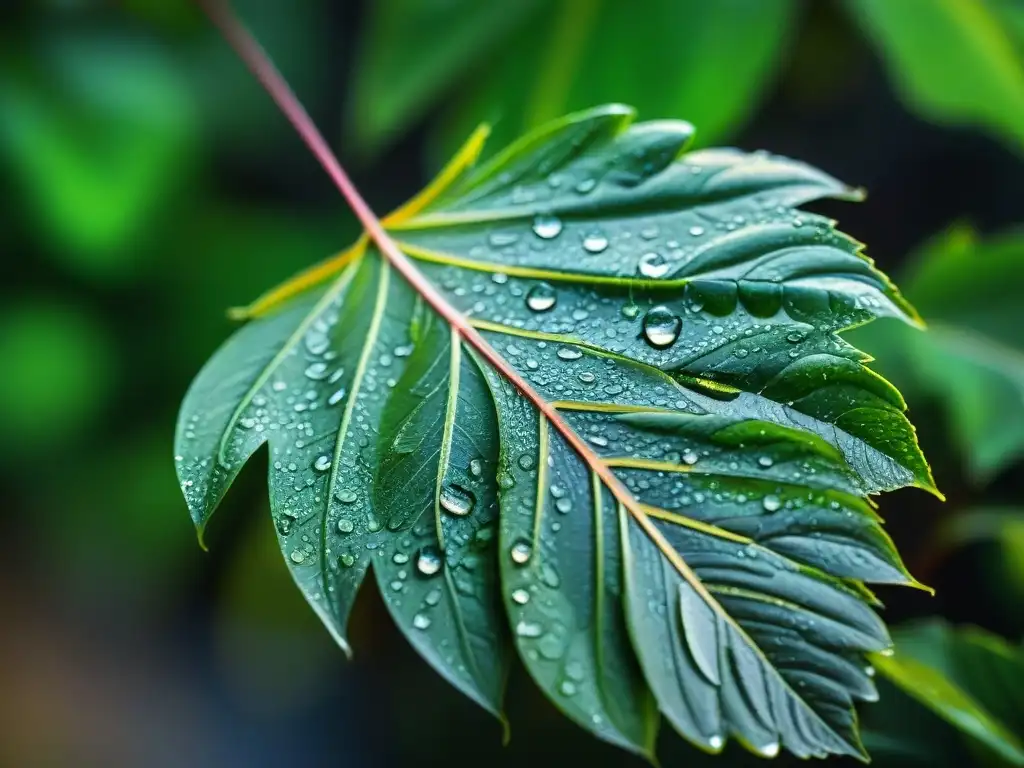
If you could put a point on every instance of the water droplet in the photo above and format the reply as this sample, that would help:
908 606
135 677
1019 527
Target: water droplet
696 231
476 468
298 556
316 371
400 558
421 621
546 226
521 596
346 496
869 671
550 576
653 265
345 525
337 397
322 463
716 742
587 377
595 242
347 560
771 503
541 297
769 750
795 337
521 552
428 561
528 629
433 597
568 688
526 461
505 480
569 353
887 651
661 327
247 422
585 186
563 505
649 233
690 457
456 500
630 311
765 461
501 239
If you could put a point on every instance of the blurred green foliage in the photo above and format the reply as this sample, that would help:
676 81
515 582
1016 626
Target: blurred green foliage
148 184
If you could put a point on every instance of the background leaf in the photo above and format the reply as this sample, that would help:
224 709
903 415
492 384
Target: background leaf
955 61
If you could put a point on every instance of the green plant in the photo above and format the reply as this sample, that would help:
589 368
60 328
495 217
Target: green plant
588 399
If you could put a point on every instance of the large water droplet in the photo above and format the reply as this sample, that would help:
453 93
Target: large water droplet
521 552
771 503
653 265
322 463
520 596
428 561
456 500
569 353
345 525
476 467
346 496
661 327
595 242
546 226
298 556
541 297
421 621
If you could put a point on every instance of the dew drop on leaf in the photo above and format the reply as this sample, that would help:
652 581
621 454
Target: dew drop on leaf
345 525
322 463
661 327
569 353
421 621
546 226
298 556
696 231
653 265
316 371
526 461
501 239
541 297
476 468
346 496
528 629
595 242
521 552
521 596
428 561
771 503
456 500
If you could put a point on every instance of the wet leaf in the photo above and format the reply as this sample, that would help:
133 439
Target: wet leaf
672 517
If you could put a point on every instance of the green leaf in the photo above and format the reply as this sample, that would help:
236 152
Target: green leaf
954 61
967 290
402 67
968 677
669 507
94 132
521 64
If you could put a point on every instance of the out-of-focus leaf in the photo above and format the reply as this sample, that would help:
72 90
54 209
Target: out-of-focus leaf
412 51
95 132
707 63
969 291
1002 526
953 60
683 517
970 678
58 371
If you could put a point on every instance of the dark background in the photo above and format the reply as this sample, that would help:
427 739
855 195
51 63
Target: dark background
121 642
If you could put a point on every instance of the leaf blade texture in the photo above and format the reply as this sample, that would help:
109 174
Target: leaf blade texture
684 528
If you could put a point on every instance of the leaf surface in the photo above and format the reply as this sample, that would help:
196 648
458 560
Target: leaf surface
641 456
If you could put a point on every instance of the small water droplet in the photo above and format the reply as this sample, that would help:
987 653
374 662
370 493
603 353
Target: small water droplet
653 265
569 353
769 750
661 327
541 297
528 629
546 226
345 525
501 239
568 688
630 311
587 377
520 596
696 231
795 337
337 397
765 461
247 422
521 552
316 371
690 457
421 621
400 558
585 186
526 461
595 242
456 500
298 556
716 742
476 468
346 496
563 505
771 503
428 561
322 463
